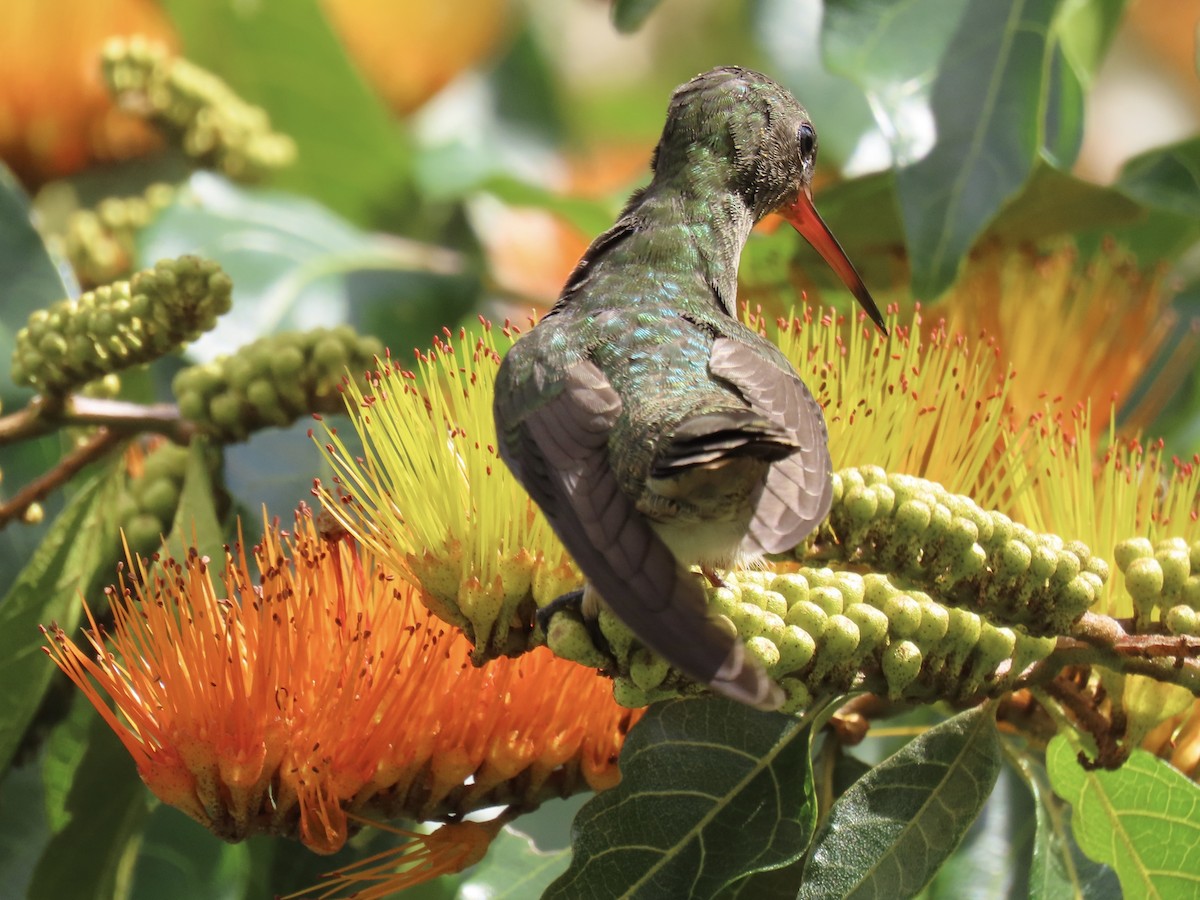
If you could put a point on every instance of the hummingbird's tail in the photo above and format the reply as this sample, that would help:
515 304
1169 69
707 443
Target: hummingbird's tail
560 453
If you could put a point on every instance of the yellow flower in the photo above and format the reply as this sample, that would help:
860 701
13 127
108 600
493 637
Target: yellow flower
308 684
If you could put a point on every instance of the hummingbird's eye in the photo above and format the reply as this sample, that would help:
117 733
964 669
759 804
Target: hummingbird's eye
808 140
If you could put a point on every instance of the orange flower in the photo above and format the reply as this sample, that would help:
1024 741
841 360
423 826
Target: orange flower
55 114
410 49
285 695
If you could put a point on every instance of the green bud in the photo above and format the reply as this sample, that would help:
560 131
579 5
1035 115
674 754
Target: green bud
860 504
1014 560
1098 566
628 694
796 648
1134 548
808 616
1002 528
753 593
901 664
567 636
885 499
828 598
764 650
994 647
877 590
935 622
904 616
797 696
143 533
852 587
158 497
1190 592
647 669
872 625
1144 580
913 517
1043 562
775 603
840 640
792 586
617 634
724 601
1182 620
1176 568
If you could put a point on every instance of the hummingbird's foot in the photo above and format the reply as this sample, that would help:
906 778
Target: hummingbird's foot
713 578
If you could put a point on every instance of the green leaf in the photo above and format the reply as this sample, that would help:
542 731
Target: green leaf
589 217
283 55
993 859
75 554
1141 820
65 749
196 523
890 833
1056 203
180 859
990 102
1086 29
31 277
710 791
514 869
892 50
92 856
788 34
1058 867
296 265
1167 178
630 15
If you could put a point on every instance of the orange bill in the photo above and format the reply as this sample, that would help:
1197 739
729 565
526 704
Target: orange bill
804 218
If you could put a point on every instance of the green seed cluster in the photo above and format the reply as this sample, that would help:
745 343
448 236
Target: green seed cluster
212 124
120 325
147 508
823 630
100 242
273 381
965 555
1163 580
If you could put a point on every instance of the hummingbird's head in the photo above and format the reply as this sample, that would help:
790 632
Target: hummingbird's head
737 130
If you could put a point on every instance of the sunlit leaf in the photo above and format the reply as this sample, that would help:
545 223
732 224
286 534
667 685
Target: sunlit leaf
789 36
514 869
297 265
988 104
710 791
1058 867
283 55
892 50
891 832
1141 819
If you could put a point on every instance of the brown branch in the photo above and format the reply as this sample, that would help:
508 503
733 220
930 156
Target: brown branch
99 444
44 414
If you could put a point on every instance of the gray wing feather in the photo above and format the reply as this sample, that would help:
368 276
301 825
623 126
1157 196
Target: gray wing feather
798 490
564 448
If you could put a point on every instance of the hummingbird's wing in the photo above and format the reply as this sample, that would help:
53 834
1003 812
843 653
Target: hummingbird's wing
798 491
563 448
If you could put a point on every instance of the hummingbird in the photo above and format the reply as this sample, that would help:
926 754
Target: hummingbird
653 428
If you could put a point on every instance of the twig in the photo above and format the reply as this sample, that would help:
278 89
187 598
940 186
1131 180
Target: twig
96 446
43 415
